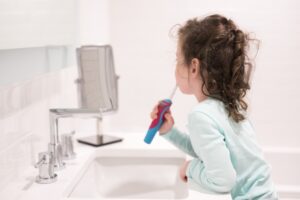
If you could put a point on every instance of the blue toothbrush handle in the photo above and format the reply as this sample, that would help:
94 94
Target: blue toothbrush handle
163 107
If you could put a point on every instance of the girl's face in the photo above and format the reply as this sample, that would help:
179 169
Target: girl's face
182 72
188 77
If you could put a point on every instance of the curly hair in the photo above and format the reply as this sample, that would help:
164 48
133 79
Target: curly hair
225 67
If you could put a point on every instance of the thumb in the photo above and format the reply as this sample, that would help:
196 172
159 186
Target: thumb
169 118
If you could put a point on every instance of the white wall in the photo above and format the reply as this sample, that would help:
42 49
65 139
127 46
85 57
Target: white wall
93 22
145 56
31 23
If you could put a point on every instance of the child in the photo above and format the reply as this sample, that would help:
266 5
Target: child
213 66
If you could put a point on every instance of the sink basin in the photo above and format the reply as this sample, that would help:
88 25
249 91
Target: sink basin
132 175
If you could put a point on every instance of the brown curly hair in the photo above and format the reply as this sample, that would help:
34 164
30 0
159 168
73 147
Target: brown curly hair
225 67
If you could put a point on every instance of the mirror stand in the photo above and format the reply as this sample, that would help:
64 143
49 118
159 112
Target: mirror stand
97 87
99 139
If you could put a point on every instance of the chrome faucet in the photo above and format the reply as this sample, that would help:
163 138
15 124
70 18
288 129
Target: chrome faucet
53 159
55 145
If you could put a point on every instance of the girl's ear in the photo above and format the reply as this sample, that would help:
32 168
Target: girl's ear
195 67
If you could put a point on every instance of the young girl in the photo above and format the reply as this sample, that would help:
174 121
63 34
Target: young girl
212 65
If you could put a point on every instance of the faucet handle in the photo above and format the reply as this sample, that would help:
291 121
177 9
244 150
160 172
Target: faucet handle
41 161
46 168
56 150
67 143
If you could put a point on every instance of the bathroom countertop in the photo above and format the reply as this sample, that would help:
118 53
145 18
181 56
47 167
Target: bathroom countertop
75 168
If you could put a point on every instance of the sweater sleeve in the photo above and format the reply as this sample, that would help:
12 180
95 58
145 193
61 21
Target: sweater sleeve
180 140
214 171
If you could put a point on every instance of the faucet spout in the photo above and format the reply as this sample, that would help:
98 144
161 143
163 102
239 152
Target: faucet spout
55 145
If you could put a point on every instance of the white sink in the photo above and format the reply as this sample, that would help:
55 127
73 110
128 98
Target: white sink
137 174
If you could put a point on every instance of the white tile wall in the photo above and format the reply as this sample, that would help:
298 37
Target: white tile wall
24 122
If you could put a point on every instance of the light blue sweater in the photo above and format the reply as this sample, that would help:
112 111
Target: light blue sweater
226 155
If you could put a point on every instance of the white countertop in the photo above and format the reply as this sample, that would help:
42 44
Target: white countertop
75 168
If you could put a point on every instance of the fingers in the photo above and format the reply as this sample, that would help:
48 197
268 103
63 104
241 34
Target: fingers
167 115
153 115
183 177
154 112
169 118
182 172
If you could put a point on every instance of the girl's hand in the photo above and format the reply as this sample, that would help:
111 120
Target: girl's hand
182 171
168 122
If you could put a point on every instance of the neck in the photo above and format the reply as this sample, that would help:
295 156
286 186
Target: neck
200 97
198 92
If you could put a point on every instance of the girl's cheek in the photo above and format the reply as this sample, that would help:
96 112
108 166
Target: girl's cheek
176 76
181 84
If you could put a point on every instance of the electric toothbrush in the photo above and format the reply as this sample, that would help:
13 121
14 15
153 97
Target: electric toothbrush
163 107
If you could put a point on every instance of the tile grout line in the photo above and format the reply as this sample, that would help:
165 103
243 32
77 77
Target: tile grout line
25 136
